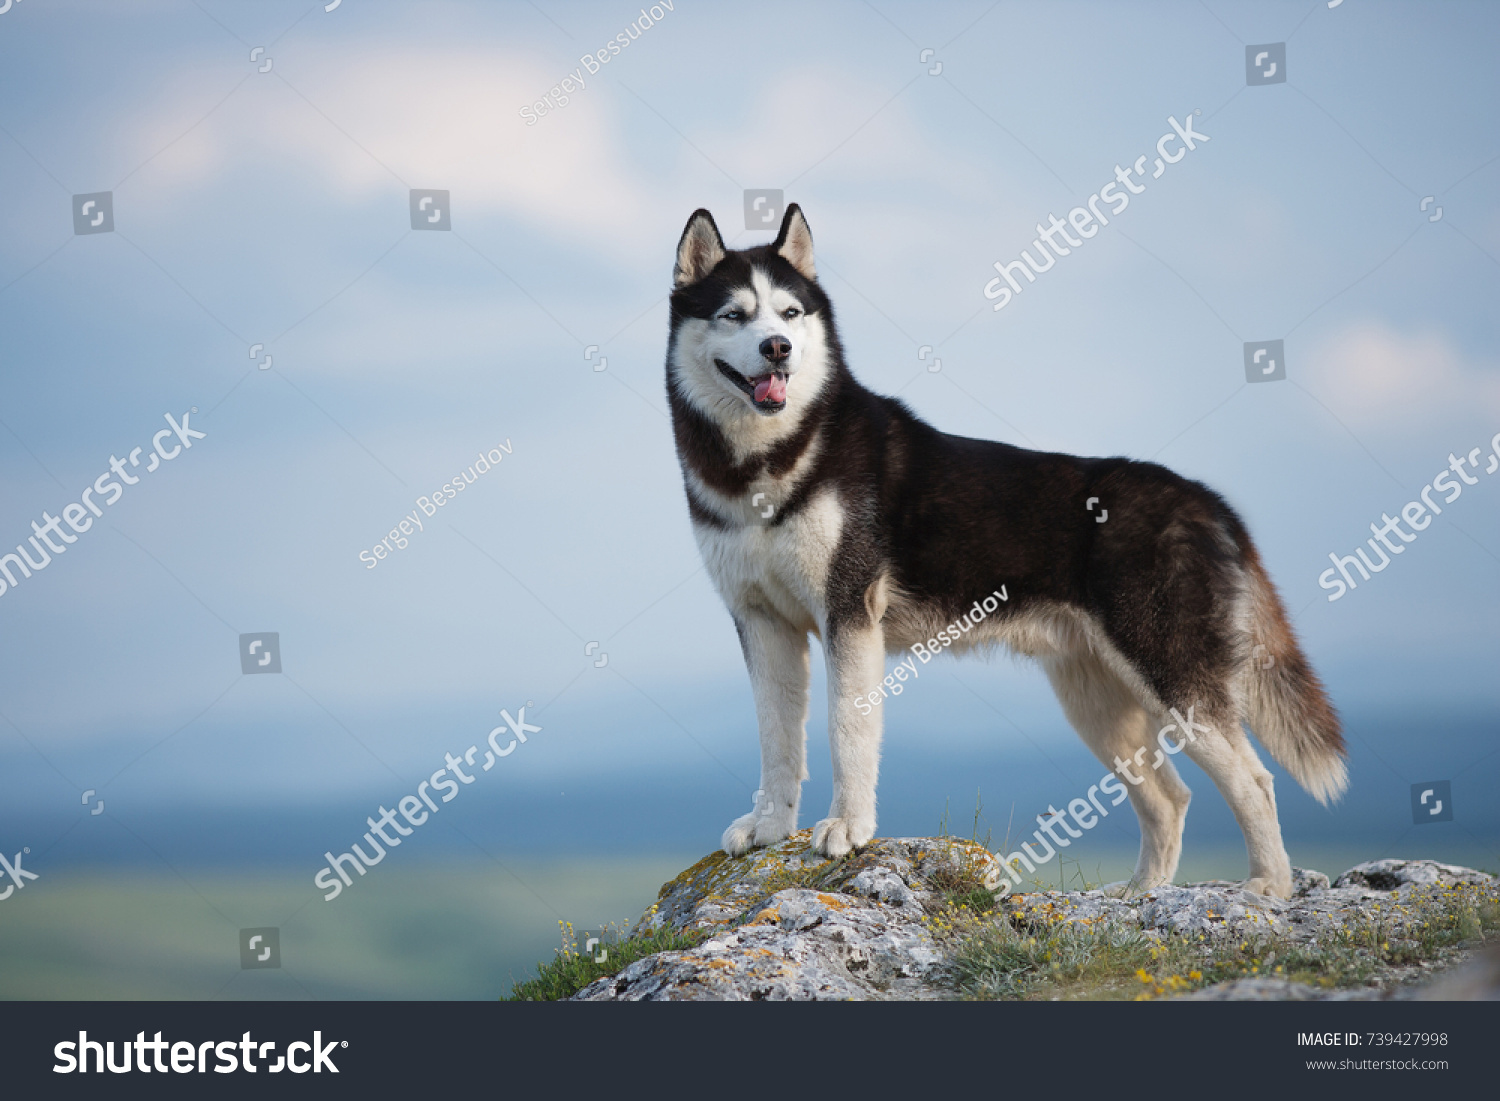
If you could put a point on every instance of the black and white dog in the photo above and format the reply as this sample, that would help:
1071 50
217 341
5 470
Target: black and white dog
822 507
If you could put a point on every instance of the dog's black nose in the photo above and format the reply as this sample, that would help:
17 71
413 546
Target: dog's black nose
776 348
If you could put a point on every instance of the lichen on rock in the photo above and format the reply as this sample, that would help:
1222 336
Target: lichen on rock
887 921
787 924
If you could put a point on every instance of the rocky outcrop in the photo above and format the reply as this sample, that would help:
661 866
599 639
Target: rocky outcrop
1221 910
784 924
886 922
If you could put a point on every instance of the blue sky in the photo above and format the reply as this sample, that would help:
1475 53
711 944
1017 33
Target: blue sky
271 208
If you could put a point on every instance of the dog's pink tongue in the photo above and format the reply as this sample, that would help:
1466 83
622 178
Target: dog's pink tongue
771 388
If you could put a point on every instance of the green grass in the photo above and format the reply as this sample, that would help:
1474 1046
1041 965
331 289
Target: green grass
960 882
1045 956
1071 959
571 970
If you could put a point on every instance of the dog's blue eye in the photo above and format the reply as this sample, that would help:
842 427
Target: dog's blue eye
732 315
791 313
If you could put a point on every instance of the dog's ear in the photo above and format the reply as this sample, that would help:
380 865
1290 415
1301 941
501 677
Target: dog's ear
794 242
700 249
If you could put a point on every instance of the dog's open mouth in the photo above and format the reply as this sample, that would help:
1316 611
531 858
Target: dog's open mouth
767 392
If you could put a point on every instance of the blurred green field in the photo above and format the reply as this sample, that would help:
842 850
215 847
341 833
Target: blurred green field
456 930
459 930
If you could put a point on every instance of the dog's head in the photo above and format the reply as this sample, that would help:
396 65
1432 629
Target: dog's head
750 328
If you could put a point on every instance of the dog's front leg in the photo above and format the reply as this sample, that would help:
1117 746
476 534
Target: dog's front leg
856 665
777 656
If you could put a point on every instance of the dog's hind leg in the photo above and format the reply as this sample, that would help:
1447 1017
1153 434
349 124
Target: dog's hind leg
777 656
1116 728
1221 748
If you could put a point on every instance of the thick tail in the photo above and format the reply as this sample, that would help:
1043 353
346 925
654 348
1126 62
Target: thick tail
1285 702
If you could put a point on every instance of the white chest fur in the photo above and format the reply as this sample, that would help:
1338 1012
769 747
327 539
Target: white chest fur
760 564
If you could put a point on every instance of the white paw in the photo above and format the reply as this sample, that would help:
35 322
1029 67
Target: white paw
838 836
755 829
1269 888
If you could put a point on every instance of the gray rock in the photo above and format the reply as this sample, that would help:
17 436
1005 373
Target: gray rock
786 925
1396 875
1304 882
783 924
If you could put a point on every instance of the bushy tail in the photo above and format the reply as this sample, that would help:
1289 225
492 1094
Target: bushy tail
1285 702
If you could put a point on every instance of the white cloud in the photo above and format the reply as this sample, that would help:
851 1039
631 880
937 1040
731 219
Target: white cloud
598 174
444 119
1374 375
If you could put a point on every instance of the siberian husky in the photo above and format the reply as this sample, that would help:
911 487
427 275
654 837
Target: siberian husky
821 507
